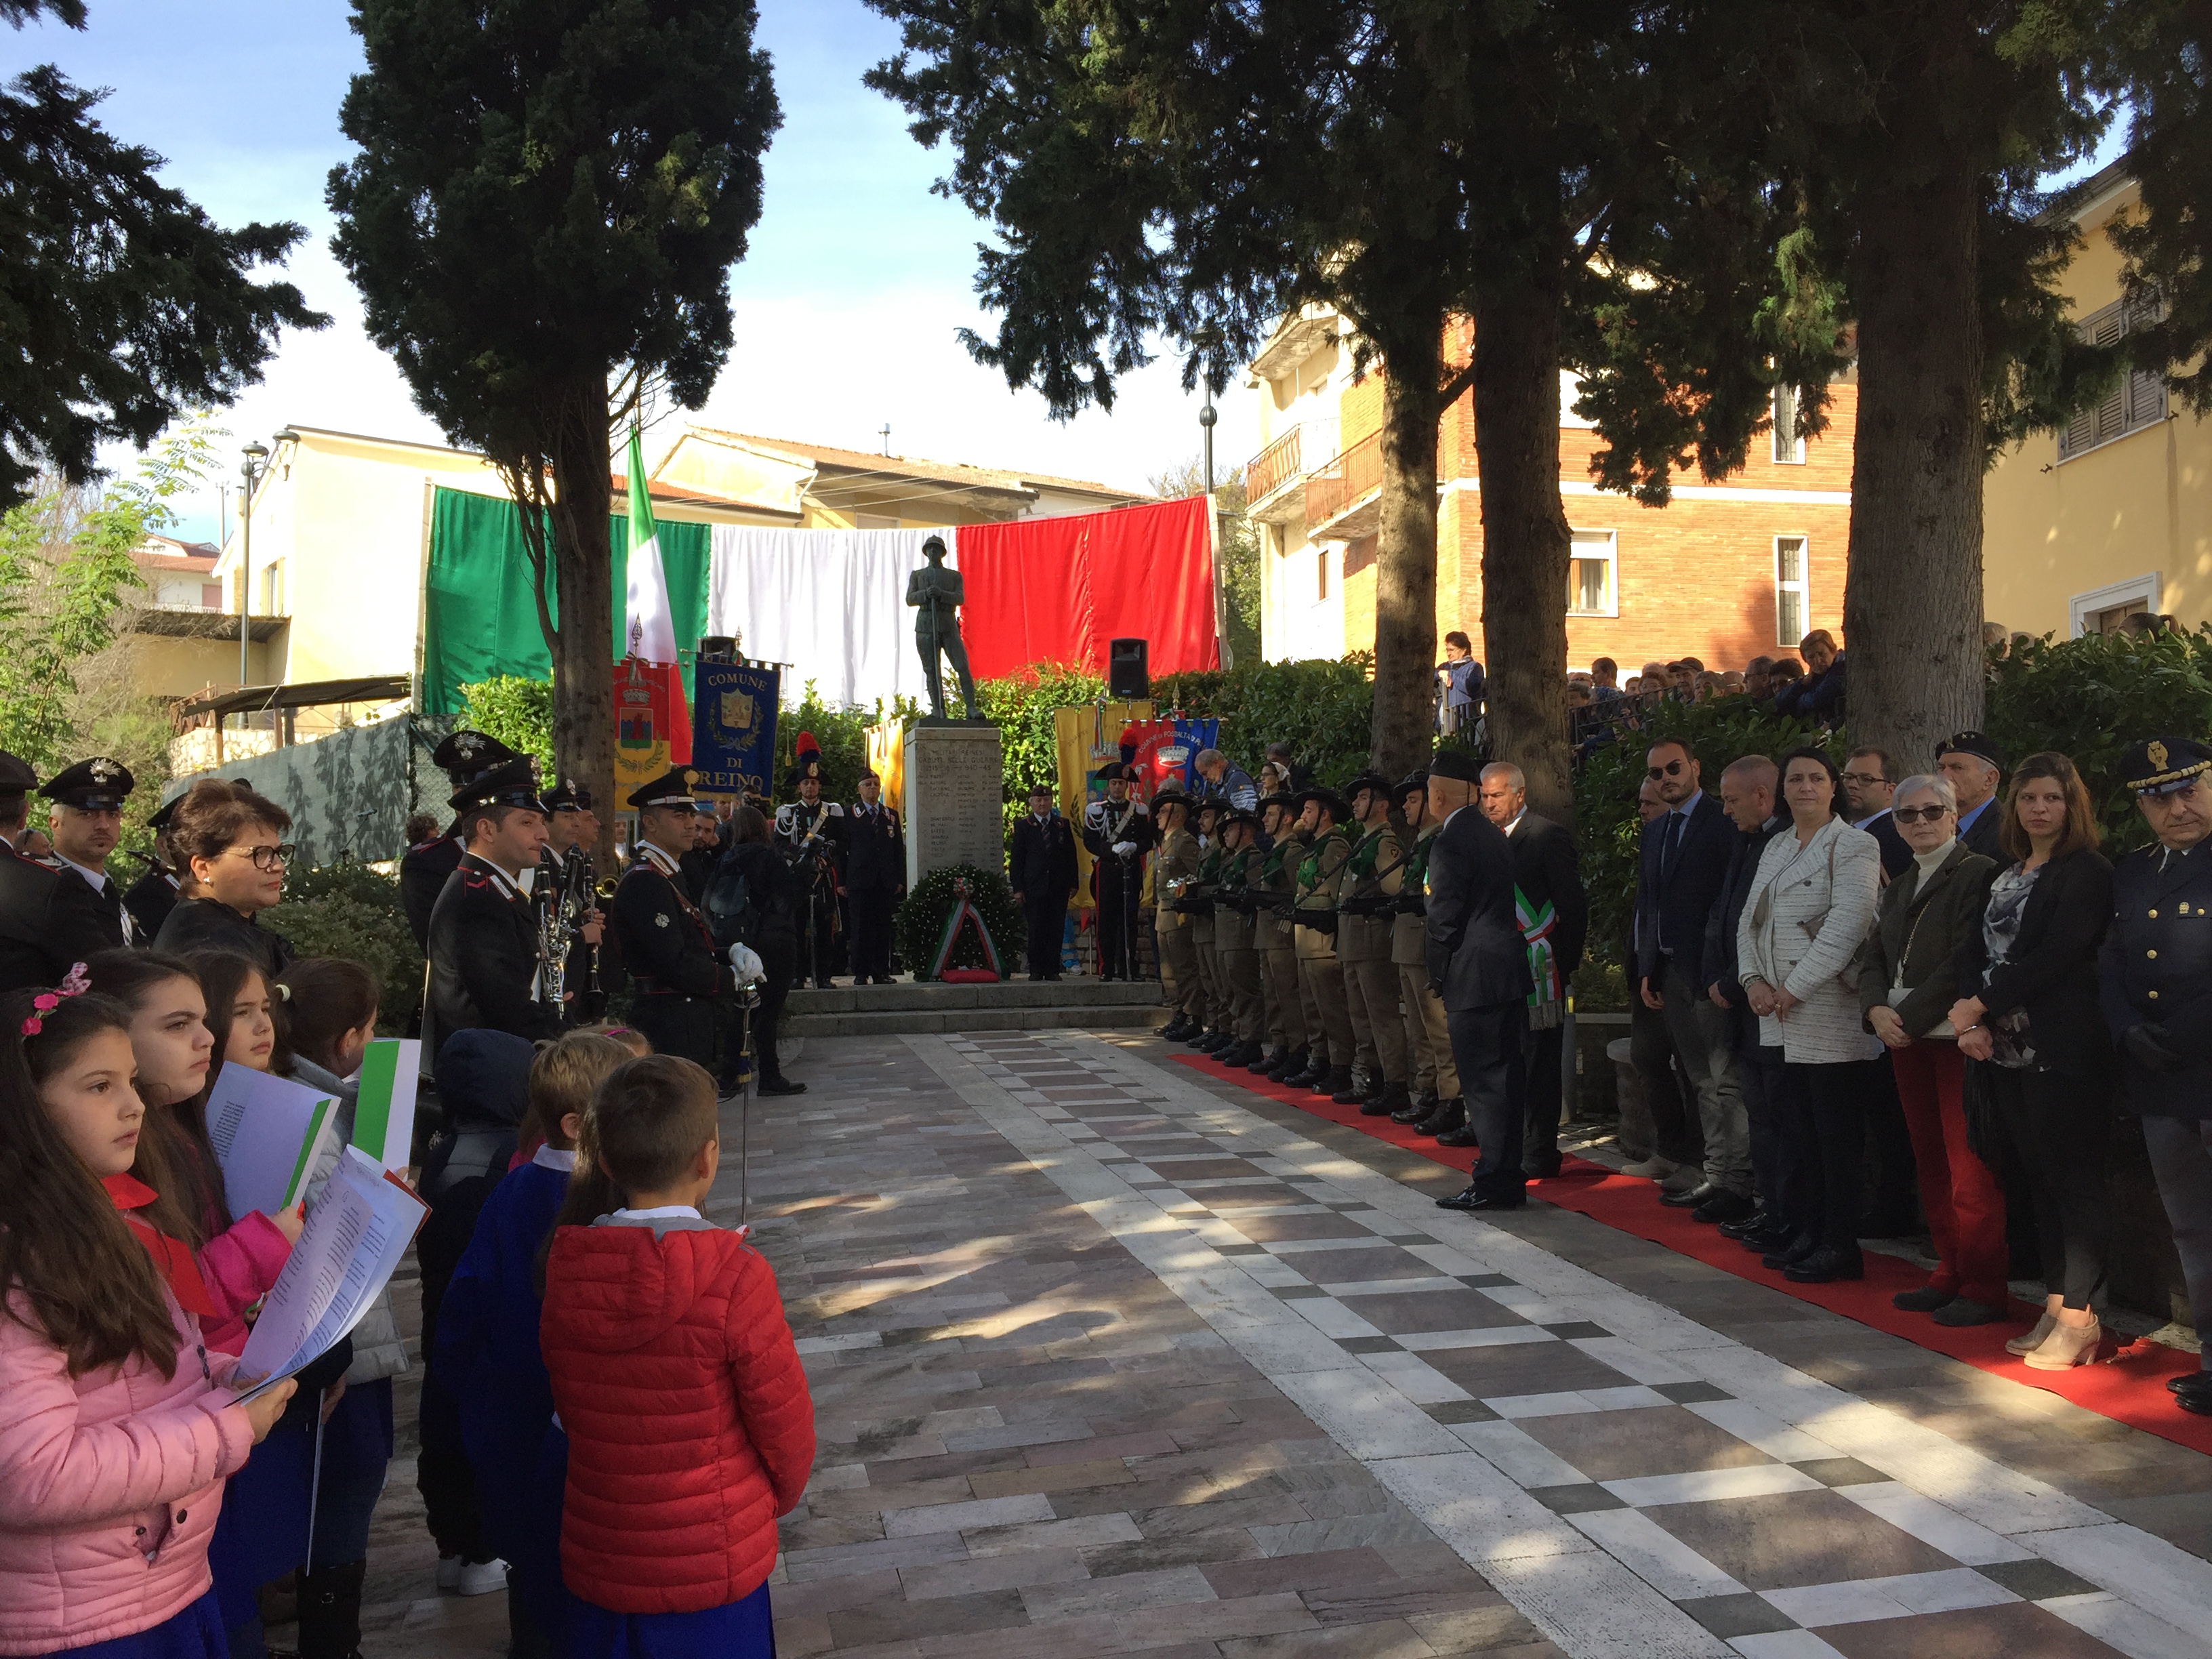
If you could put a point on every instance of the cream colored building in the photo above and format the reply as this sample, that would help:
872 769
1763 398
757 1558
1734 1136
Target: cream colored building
2082 528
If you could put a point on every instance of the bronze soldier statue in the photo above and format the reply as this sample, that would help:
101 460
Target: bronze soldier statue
938 595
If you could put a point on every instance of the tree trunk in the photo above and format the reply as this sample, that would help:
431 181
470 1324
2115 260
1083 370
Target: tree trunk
1406 557
583 645
1913 605
1525 541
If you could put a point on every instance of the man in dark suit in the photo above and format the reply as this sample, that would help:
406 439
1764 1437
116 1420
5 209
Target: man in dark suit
1871 781
2156 976
46 925
1974 766
1747 796
1042 866
1478 964
1553 911
875 875
1682 869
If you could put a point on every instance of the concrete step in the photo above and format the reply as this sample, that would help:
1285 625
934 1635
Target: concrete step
1081 1017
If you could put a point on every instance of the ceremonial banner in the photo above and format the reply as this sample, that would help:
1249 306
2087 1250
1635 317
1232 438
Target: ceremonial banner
733 728
887 760
1087 737
650 636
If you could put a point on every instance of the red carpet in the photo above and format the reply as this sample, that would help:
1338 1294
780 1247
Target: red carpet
2127 1385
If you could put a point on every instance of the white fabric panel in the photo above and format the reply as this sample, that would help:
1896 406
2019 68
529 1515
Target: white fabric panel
831 602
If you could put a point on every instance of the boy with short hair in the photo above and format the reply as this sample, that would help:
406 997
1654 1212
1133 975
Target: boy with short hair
688 1422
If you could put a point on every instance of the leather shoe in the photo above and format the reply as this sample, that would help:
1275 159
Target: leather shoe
1263 1062
1288 1066
1391 1100
1824 1267
1961 1311
1448 1116
1926 1299
1790 1254
1338 1079
2194 1394
1748 1225
1774 1235
1464 1135
1469 1198
1352 1094
780 1085
1306 1075
1705 1193
1723 1205
1415 1110
1176 1029
1538 1169
2187 1379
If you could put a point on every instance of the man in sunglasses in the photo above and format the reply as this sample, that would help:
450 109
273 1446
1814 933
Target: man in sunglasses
1682 869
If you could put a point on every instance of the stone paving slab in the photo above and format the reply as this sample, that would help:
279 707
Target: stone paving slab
1107 1359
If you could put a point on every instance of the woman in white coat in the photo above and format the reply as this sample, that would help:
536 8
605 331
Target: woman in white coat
1810 908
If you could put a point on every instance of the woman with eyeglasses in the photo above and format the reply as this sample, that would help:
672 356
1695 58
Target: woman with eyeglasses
2028 1016
231 841
1804 921
1908 974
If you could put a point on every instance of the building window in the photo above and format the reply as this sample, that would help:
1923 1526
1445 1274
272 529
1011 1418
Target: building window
1593 574
1789 447
2137 401
1793 608
2107 609
1321 574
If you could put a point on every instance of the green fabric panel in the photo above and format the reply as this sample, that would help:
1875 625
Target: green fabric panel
480 618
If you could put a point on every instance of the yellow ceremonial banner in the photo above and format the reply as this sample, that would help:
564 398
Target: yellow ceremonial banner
887 760
1086 737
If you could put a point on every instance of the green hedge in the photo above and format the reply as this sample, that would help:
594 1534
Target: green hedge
1323 709
348 909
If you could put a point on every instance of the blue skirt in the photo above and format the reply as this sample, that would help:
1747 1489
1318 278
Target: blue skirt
743 1630
195 1633
262 1532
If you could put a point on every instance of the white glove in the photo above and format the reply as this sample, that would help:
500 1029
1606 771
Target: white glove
1123 848
751 969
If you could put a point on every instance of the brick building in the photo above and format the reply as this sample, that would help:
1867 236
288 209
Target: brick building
1726 573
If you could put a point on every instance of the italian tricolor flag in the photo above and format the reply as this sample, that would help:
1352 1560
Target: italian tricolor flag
649 628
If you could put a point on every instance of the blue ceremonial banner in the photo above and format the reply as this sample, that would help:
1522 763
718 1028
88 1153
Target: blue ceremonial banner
733 727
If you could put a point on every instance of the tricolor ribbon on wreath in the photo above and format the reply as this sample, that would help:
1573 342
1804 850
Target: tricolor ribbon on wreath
1547 1008
964 911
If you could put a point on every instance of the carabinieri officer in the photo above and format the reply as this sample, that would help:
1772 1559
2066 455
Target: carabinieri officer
665 942
487 962
2156 973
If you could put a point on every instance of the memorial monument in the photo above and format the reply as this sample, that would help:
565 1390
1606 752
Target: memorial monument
955 791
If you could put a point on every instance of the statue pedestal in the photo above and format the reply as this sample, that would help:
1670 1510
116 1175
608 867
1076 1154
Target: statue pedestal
955 811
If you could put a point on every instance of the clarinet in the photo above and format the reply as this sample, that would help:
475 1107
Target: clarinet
552 961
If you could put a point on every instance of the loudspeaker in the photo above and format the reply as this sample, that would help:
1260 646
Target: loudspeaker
1127 680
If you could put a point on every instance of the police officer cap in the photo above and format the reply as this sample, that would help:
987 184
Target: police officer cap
512 783
165 811
1972 743
1414 779
671 789
1332 803
2163 765
465 753
1455 763
98 784
16 777
566 797
1372 782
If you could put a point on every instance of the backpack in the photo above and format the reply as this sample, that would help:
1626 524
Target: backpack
732 916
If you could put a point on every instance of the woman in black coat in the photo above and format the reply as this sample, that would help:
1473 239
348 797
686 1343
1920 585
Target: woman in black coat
2028 1016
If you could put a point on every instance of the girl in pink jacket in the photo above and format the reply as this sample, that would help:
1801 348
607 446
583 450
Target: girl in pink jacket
175 1037
116 1430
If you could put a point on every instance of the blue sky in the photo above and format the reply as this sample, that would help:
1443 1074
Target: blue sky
847 302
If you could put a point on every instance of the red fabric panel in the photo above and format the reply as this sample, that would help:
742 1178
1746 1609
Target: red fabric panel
1057 589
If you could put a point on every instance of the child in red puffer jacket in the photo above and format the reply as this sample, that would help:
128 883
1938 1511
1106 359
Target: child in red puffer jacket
689 1423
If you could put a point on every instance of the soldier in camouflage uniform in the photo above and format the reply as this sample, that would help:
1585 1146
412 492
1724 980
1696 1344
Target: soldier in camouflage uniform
1275 877
1198 904
1372 877
1436 1106
1175 870
1320 975
1235 936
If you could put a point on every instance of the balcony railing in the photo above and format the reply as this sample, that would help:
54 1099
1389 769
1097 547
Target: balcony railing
1344 480
1286 459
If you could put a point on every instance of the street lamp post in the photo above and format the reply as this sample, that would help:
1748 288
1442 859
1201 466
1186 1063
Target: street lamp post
1207 341
252 469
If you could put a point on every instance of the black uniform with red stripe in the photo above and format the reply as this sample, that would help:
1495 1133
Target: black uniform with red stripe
484 960
424 872
670 955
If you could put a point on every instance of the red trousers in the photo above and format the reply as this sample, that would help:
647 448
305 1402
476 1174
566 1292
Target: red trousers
1965 1204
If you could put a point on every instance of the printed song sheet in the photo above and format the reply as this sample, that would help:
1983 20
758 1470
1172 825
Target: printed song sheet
268 1134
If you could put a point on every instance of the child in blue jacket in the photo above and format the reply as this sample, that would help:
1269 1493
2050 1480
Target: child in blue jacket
488 1349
